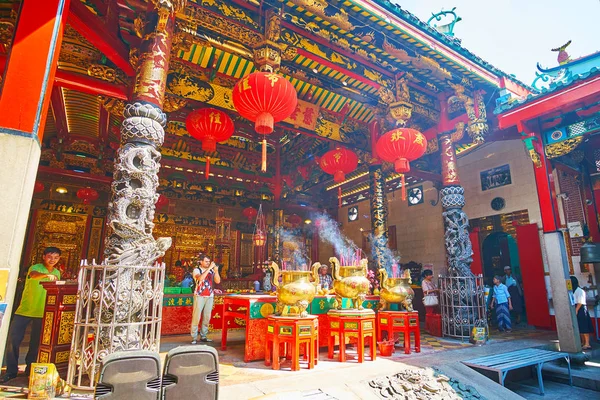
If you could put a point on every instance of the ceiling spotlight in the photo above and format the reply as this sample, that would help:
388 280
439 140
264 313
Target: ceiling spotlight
61 190
345 83
315 70
307 221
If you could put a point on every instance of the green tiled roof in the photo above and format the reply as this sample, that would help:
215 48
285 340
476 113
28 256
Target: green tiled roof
553 87
449 41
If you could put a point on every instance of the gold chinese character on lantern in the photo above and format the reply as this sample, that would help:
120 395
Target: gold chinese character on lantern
337 157
215 118
419 139
245 85
397 135
273 78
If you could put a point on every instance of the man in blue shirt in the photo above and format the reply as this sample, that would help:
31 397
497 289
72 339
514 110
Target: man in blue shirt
501 298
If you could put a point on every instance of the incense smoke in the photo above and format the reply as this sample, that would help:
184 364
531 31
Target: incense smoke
298 255
330 232
391 260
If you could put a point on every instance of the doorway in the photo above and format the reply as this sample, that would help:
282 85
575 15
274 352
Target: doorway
499 250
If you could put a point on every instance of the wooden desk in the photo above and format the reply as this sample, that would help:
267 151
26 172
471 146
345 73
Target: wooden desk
57 325
292 332
253 310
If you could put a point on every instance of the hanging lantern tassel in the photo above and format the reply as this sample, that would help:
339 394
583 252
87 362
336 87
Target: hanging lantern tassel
339 196
207 168
403 187
263 166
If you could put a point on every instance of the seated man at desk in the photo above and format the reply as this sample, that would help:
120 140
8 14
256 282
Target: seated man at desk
31 310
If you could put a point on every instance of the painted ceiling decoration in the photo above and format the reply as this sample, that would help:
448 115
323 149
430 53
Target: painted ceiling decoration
351 62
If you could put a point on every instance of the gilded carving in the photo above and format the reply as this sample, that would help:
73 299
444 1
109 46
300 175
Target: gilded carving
65 329
44 357
173 103
535 158
477 126
102 72
379 210
62 357
113 106
216 23
318 7
432 146
51 300
563 148
172 6
47 330
7 30
69 299
459 131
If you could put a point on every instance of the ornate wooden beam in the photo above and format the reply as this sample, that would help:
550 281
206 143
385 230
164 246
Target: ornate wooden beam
94 30
65 173
57 102
89 85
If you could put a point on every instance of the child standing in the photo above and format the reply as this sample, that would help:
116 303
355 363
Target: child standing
503 303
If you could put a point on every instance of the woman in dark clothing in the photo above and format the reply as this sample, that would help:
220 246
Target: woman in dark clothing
516 293
584 321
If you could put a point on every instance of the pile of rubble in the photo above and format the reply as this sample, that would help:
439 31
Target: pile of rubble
422 384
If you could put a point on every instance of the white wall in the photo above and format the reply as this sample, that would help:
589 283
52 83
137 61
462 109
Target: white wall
420 229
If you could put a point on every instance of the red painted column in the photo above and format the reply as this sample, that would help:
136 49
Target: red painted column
449 167
544 182
31 67
27 85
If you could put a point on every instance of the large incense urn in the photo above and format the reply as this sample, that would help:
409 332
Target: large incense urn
296 288
395 290
350 281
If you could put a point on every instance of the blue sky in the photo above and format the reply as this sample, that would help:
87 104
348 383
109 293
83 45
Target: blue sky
514 35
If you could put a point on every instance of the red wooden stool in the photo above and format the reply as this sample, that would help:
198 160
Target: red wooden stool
348 323
290 333
405 322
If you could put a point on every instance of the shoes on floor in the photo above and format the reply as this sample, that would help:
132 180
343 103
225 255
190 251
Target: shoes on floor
194 341
508 331
7 377
205 340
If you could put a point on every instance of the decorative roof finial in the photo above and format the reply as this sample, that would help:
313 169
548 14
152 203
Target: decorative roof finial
563 56
447 29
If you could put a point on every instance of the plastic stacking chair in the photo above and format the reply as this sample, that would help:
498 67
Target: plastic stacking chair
128 375
191 373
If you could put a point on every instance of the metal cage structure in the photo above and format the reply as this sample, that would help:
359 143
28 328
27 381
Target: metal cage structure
463 305
119 307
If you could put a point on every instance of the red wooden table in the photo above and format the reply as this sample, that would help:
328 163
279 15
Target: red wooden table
352 323
292 332
404 322
252 310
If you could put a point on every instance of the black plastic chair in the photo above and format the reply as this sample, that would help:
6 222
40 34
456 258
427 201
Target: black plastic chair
128 375
191 373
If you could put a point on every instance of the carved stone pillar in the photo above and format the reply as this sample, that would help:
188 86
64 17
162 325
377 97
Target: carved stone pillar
276 244
379 240
458 244
119 302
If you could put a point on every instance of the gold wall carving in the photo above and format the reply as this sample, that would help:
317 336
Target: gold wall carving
61 357
65 330
65 231
562 148
44 357
69 299
48 325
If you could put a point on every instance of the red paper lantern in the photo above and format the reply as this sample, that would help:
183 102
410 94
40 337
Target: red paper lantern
161 202
210 126
87 195
294 220
401 146
250 213
264 98
338 163
38 187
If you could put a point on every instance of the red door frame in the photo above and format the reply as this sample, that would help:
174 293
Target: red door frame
533 275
